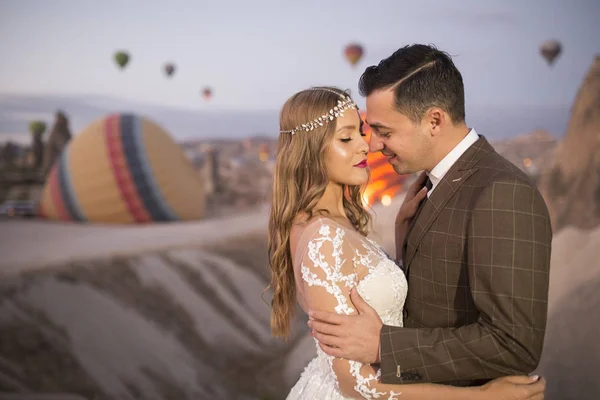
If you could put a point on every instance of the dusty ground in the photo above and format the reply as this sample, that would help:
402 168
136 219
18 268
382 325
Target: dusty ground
174 311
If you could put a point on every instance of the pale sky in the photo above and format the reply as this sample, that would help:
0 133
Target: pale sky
255 54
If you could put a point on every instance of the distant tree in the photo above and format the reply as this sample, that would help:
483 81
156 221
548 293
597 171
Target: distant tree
57 141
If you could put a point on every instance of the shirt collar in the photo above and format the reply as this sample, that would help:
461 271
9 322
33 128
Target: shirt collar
438 172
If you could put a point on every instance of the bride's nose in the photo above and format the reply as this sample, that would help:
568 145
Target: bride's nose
363 147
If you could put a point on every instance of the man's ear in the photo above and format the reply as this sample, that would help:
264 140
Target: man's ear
436 120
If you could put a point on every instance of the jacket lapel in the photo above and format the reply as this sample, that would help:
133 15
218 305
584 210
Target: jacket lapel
431 207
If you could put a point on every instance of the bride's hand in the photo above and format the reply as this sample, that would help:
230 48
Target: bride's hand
514 388
415 194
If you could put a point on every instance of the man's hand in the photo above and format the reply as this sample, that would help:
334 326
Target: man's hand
415 194
353 337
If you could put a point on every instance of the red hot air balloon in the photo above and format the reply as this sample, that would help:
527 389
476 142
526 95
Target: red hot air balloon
550 50
354 53
207 93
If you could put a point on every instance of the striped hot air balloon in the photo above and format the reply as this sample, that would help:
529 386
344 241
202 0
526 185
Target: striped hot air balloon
123 169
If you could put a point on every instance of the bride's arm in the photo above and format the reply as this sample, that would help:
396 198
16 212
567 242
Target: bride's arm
328 274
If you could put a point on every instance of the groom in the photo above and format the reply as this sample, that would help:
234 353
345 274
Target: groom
475 250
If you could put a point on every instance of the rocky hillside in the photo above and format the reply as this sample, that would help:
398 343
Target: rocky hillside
531 152
571 184
179 323
174 311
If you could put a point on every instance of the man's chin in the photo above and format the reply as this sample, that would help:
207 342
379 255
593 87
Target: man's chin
401 169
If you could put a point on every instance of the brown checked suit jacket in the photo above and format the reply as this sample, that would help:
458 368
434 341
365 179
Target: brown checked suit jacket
477 260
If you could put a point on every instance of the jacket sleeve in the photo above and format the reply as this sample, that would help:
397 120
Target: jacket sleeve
508 261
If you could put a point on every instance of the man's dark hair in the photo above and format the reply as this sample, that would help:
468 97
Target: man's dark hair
422 77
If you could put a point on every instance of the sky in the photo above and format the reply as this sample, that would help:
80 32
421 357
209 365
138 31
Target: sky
255 54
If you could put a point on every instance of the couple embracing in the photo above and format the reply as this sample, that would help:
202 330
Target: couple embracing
460 313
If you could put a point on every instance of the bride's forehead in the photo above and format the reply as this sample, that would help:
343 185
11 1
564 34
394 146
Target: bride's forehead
350 118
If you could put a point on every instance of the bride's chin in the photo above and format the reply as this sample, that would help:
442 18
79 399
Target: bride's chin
361 182
356 180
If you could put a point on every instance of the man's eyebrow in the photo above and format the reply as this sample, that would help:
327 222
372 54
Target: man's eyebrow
377 125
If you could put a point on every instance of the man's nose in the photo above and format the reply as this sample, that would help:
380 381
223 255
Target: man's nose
375 144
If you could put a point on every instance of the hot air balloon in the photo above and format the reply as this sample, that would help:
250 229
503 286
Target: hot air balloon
207 93
169 69
383 180
121 58
550 50
123 169
354 53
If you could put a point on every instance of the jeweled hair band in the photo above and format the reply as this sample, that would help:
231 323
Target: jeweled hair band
343 104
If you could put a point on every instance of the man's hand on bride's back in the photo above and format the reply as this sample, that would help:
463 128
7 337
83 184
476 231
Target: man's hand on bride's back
353 337
414 195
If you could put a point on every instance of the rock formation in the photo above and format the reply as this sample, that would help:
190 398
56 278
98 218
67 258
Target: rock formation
571 184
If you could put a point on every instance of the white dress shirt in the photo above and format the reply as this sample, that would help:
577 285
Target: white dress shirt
438 172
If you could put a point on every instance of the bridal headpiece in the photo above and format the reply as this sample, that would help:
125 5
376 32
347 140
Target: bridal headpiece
344 103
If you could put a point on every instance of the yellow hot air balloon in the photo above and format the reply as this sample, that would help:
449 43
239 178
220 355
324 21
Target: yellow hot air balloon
123 169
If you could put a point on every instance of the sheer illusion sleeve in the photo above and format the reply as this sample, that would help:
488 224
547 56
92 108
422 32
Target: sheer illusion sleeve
328 266
328 274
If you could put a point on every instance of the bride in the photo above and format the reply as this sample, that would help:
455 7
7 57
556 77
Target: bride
319 250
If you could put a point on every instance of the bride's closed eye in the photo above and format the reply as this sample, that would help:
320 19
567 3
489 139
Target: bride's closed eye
346 140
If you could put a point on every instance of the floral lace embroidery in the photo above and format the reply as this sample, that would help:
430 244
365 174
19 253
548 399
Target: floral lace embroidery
372 257
334 276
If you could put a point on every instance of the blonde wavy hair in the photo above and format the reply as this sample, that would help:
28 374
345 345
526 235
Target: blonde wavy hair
299 181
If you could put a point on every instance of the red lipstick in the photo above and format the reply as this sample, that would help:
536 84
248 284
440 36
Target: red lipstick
362 164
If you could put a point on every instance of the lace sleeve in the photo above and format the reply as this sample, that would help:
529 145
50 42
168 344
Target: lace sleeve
328 274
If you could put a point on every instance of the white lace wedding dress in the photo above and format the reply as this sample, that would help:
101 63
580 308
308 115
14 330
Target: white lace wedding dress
329 260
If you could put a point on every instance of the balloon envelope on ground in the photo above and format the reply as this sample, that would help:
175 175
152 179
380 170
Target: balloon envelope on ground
383 180
123 169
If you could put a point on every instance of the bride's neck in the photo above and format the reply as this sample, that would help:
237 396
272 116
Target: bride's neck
333 201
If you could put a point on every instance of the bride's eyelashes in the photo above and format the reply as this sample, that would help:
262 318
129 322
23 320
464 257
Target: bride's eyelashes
346 140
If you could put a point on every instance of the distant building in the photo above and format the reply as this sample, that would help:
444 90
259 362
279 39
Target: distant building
212 170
